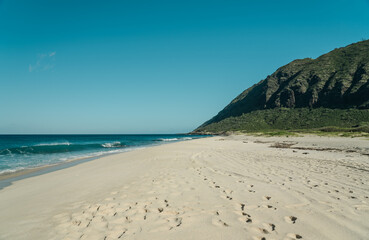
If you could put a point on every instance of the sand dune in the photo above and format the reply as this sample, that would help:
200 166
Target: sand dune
236 187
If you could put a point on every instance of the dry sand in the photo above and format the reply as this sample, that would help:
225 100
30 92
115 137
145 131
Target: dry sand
236 187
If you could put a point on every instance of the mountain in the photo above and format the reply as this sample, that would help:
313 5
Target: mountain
338 80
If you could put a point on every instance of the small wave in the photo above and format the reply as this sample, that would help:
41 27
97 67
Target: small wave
174 139
186 138
112 145
7 171
53 144
5 151
168 139
55 148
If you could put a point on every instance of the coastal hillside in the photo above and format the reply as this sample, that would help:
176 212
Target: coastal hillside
332 90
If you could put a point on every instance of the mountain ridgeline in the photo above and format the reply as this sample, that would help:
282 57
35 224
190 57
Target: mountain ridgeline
333 89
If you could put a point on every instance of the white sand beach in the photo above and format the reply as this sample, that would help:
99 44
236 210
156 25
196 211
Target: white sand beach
234 187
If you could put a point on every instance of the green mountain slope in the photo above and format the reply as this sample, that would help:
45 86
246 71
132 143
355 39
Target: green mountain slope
337 80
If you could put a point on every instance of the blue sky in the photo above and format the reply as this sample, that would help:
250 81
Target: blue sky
152 66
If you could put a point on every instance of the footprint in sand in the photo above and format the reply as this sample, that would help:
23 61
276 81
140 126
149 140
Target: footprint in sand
290 219
219 222
245 220
269 207
263 230
258 238
294 236
269 226
272 226
246 217
260 230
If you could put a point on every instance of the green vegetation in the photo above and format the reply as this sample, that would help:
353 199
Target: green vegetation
274 133
285 121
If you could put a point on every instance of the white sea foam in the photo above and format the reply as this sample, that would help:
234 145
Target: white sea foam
186 138
11 170
174 139
53 144
110 145
168 139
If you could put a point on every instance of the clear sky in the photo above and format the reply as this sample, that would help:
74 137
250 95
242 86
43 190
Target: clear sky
135 66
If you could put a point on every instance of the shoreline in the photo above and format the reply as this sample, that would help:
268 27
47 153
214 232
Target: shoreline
8 178
24 171
34 171
223 187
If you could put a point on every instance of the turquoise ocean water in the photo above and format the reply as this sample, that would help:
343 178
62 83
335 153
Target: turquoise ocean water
18 152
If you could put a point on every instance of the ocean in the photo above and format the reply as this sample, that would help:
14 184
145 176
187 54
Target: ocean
19 152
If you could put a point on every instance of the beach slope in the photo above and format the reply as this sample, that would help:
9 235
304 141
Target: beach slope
235 187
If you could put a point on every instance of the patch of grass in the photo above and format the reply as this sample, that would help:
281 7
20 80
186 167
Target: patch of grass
274 133
341 134
287 121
